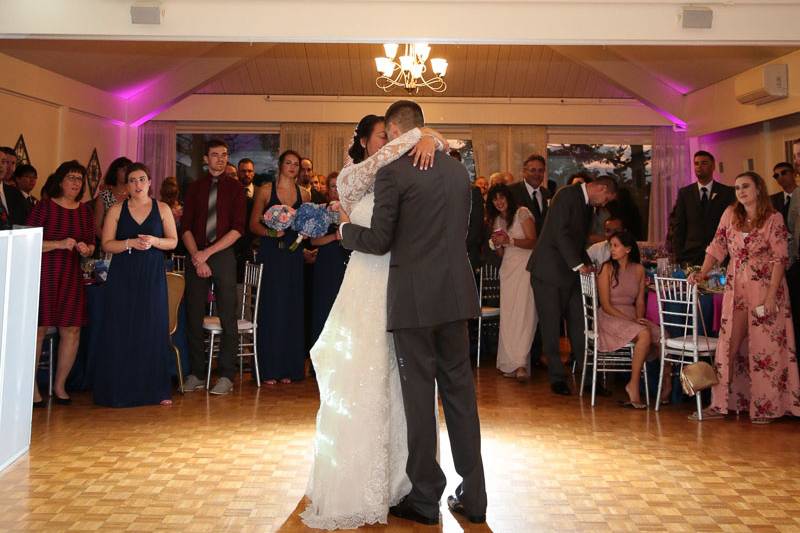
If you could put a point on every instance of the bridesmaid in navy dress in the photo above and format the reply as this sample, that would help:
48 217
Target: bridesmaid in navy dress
135 366
281 343
328 270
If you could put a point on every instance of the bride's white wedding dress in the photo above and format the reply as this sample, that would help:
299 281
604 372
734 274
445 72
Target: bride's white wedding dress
360 446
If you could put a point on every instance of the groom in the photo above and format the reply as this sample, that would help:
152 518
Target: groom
422 218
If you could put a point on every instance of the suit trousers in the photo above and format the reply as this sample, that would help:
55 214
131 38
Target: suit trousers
440 354
553 302
223 274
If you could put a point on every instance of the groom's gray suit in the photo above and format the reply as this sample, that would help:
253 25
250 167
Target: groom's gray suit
422 218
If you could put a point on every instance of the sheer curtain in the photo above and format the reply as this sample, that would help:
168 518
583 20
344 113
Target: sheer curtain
504 148
296 137
329 142
325 144
156 148
671 170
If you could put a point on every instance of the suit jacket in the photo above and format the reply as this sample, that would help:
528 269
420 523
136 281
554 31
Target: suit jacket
421 217
777 204
694 228
793 225
18 207
475 234
520 193
561 245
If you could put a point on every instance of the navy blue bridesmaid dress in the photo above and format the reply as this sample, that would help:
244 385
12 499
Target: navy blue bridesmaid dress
328 275
281 342
134 366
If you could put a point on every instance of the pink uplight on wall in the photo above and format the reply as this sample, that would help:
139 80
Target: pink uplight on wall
126 93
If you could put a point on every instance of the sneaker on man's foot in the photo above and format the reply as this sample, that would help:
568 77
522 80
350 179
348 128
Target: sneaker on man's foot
192 383
223 386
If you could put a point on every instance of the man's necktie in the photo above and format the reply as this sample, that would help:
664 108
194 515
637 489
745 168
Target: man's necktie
703 198
5 219
787 200
535 198
211 221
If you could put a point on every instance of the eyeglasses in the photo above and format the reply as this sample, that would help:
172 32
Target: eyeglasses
780 173
73 177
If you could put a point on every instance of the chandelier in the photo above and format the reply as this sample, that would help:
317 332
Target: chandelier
409 72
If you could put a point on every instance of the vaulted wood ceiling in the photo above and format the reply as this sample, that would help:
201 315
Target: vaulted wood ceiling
123 67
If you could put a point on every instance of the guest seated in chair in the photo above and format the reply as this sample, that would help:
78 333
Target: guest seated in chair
755 359
621 292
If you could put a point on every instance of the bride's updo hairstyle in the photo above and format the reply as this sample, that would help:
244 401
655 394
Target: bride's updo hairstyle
363 131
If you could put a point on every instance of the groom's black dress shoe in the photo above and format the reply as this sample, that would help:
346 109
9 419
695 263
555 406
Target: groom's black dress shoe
405 511
455 505
559 387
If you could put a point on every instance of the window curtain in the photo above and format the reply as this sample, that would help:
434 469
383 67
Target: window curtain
325 144
296 137
156 148
329 142
504 148
671 170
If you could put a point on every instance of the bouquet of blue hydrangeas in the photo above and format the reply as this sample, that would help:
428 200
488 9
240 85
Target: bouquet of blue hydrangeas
310 221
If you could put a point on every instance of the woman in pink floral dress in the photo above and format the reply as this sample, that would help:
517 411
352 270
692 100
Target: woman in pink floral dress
755 359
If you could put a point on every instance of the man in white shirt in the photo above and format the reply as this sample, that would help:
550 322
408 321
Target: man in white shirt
600 252
531 191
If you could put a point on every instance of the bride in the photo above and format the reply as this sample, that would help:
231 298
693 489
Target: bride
360 446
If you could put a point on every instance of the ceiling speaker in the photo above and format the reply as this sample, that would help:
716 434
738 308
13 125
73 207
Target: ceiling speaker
697 18
146 14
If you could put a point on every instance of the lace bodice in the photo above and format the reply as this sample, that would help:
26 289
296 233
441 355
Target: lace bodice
356 180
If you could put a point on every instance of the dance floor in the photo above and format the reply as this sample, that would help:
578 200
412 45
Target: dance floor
240 463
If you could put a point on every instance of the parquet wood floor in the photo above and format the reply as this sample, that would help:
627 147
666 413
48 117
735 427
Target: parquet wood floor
239 463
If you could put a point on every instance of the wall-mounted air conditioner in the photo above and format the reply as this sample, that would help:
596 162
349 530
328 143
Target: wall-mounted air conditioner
763 84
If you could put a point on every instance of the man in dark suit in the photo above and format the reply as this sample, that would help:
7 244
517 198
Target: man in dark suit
475 233
14 208
698 210
784 174
430 297
554 265
531 191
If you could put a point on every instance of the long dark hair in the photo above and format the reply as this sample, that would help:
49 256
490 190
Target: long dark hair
111 174
492 213
363 131
627 240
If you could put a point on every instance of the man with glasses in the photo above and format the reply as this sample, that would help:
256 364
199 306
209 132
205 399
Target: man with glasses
784 174
213 220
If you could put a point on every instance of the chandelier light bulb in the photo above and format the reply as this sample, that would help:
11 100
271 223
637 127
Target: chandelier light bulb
423 51
390 49
416 70
439 66
406 62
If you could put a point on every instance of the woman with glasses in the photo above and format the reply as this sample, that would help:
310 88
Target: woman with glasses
68 234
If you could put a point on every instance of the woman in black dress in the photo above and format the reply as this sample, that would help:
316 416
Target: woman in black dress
135 365
281 342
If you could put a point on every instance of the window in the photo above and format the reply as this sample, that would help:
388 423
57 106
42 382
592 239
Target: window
262 148
628 163
464 147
